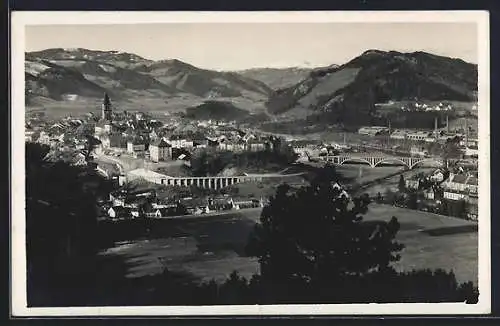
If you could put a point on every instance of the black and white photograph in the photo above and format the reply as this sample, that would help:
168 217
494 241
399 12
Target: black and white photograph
258 163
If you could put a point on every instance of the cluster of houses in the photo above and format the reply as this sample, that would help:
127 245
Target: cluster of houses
427 107
449 186
146 204
141 136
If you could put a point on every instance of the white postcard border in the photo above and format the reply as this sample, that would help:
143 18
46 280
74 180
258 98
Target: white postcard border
18 252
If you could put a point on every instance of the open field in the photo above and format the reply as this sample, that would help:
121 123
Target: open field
360 173
214 247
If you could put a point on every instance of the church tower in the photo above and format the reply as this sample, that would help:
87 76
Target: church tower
107 112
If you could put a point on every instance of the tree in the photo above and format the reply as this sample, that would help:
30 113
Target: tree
310 235
313 248
401 184
90 144
451 150
61 217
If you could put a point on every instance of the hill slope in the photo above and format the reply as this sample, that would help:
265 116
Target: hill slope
202 82
348 93
277 78
58 74
217 111
44 79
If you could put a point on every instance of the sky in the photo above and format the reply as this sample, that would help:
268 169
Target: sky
235 46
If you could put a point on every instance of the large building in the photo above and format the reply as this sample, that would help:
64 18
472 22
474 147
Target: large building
418 135
136 146
460 186
160 150
373 131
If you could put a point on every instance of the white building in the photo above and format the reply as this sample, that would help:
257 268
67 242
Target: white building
460 186
160 150
181 143
398 134
418 135
136 146
373 131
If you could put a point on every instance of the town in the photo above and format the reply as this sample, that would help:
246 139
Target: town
187 164
149 161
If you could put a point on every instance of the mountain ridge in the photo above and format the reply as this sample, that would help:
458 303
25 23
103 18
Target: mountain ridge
350 91
126 75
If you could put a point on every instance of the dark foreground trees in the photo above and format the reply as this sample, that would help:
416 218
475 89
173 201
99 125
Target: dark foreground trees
313 247
61 221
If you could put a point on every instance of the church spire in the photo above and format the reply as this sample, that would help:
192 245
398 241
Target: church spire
106 100
106 108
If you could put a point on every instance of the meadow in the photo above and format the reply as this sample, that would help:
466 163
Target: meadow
212 247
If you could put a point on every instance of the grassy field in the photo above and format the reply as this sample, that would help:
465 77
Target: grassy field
455 249
363 173
213 248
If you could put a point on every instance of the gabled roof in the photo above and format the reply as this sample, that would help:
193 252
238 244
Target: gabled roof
160 143
137 140
121 211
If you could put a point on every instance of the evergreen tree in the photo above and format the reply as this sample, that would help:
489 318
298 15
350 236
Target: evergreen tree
312 235
401 184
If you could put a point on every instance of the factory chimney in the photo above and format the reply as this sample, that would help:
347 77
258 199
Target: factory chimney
435 127
447 125
466 134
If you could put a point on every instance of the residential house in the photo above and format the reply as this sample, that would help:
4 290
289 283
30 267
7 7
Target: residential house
117 198
418 135
373 131
220 203
136 146
418 151
195 205
429 194
256 146
29 135
460 187
179 142
134 212
398 134
119 212
437 176
44 138
342 192
102 126
160 150
412 183
163 211
472 211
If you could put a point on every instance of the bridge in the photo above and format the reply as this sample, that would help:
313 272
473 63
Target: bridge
208 182
376 160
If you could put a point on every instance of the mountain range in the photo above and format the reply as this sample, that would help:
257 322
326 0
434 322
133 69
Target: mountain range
350 91
59 74
332 94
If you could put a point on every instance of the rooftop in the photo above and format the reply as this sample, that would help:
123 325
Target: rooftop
160 143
